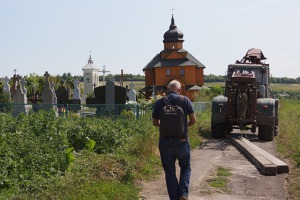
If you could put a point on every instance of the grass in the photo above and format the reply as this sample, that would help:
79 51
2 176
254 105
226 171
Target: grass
220 180
288 141
285 87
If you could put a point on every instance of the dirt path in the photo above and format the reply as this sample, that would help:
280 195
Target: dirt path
246 182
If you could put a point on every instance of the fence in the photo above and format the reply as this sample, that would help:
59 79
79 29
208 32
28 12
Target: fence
141 111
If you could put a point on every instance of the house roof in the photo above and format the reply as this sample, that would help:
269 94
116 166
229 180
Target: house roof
188 61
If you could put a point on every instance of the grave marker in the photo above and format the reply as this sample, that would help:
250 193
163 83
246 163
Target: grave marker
131 93
49 97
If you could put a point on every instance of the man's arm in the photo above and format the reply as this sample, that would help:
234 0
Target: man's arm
192 119
155 122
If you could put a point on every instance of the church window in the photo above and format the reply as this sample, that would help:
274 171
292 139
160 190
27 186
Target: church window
168 72
182 72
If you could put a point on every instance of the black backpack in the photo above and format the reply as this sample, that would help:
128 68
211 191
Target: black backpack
172 118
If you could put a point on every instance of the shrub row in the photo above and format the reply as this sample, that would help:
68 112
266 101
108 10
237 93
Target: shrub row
37 149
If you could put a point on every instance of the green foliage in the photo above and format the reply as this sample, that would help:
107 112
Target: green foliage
207 94
214 78
47 157
288 141
223 172
32 152
43 156
4 99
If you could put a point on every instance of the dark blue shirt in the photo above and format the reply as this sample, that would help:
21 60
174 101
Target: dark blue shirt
173 98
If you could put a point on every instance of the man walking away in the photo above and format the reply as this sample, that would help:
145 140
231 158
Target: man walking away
175 147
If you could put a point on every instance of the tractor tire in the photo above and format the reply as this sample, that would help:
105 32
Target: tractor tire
218 130
229 128
266 132
276 131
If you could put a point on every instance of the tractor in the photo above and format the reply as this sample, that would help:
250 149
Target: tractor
247 103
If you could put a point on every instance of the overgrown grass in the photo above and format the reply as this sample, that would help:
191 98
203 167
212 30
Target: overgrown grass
45 157
288 141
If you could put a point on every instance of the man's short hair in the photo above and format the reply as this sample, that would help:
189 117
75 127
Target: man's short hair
174 84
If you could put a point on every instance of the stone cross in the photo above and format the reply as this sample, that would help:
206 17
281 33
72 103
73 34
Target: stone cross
20 99
49 97
47 76
131 93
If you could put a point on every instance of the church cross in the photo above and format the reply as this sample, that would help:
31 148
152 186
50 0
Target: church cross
103 72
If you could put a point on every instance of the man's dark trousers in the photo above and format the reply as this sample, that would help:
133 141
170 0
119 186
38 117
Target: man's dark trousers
170 149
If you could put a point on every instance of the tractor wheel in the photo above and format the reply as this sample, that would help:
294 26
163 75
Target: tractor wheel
266 132
276 131
229 128
218 130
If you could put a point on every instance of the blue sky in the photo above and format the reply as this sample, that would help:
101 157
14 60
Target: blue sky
58 35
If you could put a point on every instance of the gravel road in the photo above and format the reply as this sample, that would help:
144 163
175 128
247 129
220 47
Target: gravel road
246 182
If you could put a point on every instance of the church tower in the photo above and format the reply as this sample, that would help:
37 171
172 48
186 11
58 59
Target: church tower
90 76
173 63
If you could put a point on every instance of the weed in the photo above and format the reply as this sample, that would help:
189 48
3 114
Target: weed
220 180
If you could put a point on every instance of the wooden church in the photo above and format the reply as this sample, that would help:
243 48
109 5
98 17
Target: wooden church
173 62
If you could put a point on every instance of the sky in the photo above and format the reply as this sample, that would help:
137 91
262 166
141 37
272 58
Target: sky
58 36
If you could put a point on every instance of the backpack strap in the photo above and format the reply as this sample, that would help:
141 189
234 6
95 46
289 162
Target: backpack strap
180 100
166 100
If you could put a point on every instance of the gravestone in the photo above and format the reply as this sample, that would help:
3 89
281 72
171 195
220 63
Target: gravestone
20 99
110 92
6 87
49 97
107 97
76 91
131 93
62 93
64 100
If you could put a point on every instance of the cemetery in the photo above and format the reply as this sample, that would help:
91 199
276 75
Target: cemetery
97 100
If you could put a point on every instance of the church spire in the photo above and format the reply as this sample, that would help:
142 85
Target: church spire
173 34
90 61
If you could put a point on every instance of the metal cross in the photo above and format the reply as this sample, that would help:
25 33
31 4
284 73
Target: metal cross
103 72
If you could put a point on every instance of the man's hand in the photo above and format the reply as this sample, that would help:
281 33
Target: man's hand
192 119
155 122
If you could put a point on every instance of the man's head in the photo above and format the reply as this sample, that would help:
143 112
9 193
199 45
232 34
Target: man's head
174 86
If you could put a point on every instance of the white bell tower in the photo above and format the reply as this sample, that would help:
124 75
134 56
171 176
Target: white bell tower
90 76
